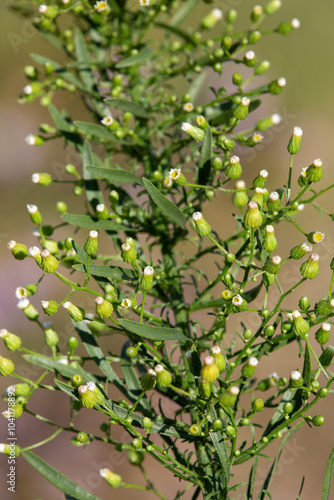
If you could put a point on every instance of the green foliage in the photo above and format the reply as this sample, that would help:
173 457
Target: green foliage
148 163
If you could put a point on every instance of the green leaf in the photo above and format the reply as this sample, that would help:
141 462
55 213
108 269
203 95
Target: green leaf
183 12
326 487
115 175
166 206
152 332
120 273
307 367
82 56
196 85
218 443
94 223
80 252
68 389
129 106
251 480
142 56
60 122
56 478
51 364
205 159
179 32
99 131
93 193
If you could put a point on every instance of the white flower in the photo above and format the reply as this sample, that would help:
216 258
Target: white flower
21 293
100 207
276 119
306 247
297 132
101 6
107 120
216 350
35 178
250 55
274 196
269 229
28 89
326 327
99 300
30 139
240 184
34 251
158 369
148 271
234 390
234 160
32 209
188 106
252 361
281 82
144 3
168 182
317 163
217 14
277 260
93 234
197 216
245 101
174 173
126 303
295 375
258 138
237 300
23 304
43 8
295 23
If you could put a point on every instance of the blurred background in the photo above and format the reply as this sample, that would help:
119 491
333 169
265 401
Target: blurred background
305 59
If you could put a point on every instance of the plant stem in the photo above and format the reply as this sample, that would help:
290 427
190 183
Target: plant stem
50 438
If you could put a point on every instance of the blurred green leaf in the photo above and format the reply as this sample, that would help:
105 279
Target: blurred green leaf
326 487
115 175
92 223
205 159
129 106
166 206
142 56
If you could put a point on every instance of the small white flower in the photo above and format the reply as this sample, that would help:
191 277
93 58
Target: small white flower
188 106
258 138
11 244
234 390
237 300
21 293
3 333
158 369
67 305
208 361
240 184
300 207
253 205
296 314
30 139
317 163
276 119
215 350
126 303
258 190
43 9
91 386
269 229
295 23
295 375
331 302
314 257
99 300
144 3
35 178
45 304
148 271
306 247
217 14
326 327
28 89
34 251
174 173
93 234
126 247
277 260
107 120
101 6
245 101
186 126
23 304
258 10
303 172
100 207
281 82
274 196
250 55
32 209
197 216
252 361
297 132
234 160
168 182
151 373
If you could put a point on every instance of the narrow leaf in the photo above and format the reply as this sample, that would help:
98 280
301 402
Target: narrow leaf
326 487
130 106
205 159
99 131
152 332
94 223
51 364
218 443
82 56
115 175
142 56
56 478
93 193
183 12
307 367
120 273
179 32
80 252
166 206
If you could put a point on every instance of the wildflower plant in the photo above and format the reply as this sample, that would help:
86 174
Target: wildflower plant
149 163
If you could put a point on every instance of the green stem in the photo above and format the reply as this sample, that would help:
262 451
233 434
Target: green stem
289 180
50 438
331 286
134 406
42 235
317 360
142 307
87 271
147 488
248 268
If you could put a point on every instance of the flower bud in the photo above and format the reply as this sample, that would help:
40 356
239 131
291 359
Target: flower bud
202 227
72 344
76 381
270 242
149 380
277 86
296 380
176 175
35 253
135 457
49 307
147 279
269 382
195 132
295 140
164 377
49 263
327 356
102 212
257 405
28 309
19 251
258 197
240 197
253 217
129 253
260 70
241 111
250 59
274 202
249 367
260 180
103 308
273 265
50 335
34 140
217 164
209 370
42 179
76 313
272 6
211 19
91 244
10 450
204 388
310 268
304 303
147 424
202 122
12 341
325 307
300 250
218 358
35 215
237 79
268 122
314 172
323 333
315 237
231 16
114 480
256 14
229 397
6 366
88 398
288 408
318 420
94 389
233 169
254 36
299 325
239 304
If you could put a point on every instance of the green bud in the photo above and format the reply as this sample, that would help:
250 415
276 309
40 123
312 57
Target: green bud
6 366
137 443
204 388
257 14
272 6
129 253
50 335
76 381
299 251
76 313
300 325
296 380
304 303
114 480
270 242
231 16
274 202
195 430
164 377
12 341
19 251
149 380
103 308
195 132
267 123
240 197
35 215
146 282
102 212
233 169
49 263
218 357
91 245
43 179
209 370
253 217
147 423
202 227
249 367
277 86
295 140
258 197
310 268
268 330
325 307
72 344
237 79
323 392
202 122
257 405
217 425
229 397
327 356
318 420
242 109
135 457
254 36
211 19
250 59
260 70
29 310
273 265
323 333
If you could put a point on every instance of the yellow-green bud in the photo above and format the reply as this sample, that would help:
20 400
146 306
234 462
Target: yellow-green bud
164 377
34 140
299 251
12 341
260 69
88 398
6 366
304 303
240 197
323 333
209 370
51 246
296 380
250 59
274 202
295 140
229 397
176 175
211 19
195 132
258 197
310 268
93 388
103 308
43 179
135 457
260 180
270 241
35 215
218 357
102 211
50 307
14 411
204 388
76 380
314 172
257 13
253 217
10 449
77 313
202 122
29 310
91 244
268 122
300 325
50 334
233 169
149 380
275 87
327 356
325 307
129 253
202 227
257 405
147 279
268 382
273 265
49 263
249 367
114 480
318 420
239 304
19 251
242 109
